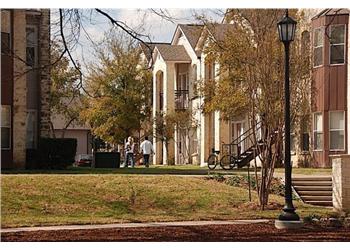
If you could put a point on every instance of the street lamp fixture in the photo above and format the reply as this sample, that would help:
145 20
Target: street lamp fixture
288 218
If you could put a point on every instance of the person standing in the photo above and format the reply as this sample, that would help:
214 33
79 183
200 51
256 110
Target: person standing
129 153
147 149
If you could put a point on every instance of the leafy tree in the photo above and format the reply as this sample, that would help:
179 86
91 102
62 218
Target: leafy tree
251 60
65 98
164 130
121 90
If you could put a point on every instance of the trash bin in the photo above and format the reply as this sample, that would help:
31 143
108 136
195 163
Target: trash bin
106 160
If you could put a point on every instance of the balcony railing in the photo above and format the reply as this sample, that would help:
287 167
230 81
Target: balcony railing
181 99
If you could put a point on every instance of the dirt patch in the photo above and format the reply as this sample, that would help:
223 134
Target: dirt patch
255 206
234 233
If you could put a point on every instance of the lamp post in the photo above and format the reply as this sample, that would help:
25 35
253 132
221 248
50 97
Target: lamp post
288 217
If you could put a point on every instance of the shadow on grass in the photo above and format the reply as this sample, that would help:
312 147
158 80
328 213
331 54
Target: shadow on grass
163 170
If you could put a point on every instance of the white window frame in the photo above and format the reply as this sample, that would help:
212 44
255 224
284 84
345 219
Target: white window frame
330 45
313 47
35 45
1 126
313 132
330 130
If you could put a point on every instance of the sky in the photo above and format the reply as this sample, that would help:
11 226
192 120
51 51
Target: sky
144 21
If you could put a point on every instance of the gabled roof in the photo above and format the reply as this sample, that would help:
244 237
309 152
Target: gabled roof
149 50
173 52
219 30
331 12
192 32
216 31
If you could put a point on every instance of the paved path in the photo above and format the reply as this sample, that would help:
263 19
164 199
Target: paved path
131 225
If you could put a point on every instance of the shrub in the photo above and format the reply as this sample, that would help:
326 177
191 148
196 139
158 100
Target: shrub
56 152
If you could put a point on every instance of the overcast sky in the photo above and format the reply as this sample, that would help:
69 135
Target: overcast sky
143 20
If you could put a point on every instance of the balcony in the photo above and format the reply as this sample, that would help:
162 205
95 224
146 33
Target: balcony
181 99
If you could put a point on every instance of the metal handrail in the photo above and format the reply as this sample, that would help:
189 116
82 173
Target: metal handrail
242 138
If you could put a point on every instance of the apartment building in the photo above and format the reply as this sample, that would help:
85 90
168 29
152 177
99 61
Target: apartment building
25 83
331 85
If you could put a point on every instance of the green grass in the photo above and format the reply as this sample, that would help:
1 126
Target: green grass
308 171
32 200
164 170
180 170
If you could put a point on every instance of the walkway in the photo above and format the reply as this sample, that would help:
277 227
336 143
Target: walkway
131 225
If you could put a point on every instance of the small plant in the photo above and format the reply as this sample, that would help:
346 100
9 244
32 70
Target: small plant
216 177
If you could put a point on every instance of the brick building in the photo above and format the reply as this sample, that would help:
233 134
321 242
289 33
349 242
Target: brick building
25 83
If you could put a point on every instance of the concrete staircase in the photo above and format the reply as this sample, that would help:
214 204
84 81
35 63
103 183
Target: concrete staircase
314 190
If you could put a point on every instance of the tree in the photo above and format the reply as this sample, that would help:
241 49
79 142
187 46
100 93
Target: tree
121 90
65 98
252 81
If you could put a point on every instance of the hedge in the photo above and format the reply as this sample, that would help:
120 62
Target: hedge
57 152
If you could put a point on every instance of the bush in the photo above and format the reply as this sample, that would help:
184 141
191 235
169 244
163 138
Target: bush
57 153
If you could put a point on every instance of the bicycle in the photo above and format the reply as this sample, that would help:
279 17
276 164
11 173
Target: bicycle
213 159
228 162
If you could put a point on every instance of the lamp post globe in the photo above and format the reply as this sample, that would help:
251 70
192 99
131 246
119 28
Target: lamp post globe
288 218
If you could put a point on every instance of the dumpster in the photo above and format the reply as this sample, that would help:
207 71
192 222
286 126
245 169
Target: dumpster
106 160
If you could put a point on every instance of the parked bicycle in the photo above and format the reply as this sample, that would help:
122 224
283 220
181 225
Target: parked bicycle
213 159
226 162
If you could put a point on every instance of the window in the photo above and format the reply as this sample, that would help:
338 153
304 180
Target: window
31 49
337 44
336 130
5 43
31 129
318 131
318 47
292 143
5 126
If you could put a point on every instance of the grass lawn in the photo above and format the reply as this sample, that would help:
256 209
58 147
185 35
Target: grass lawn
31 200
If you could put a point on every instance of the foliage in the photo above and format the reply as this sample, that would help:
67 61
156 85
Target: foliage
65 98
251 81
121 90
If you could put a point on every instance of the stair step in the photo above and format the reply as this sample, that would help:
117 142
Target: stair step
311 183
316 198
315 193
313 188
318 178
320 203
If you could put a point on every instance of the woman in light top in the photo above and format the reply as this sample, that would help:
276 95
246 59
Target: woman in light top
129 153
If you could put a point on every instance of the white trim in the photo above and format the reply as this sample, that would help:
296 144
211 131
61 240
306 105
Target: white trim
330 45
330 130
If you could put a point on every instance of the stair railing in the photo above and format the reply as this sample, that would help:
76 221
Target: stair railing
244 142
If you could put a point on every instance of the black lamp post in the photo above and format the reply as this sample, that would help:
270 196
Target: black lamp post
286 31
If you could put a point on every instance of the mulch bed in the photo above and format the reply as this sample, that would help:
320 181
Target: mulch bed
234 233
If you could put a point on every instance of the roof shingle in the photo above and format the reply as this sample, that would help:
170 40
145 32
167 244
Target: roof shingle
173 52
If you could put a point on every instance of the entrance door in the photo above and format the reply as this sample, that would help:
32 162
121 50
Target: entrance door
237 129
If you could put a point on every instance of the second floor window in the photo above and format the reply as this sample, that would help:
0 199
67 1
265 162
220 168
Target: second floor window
318 47
337 44
31 49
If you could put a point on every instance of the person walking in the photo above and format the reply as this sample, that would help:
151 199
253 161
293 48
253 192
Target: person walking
129 153
146 149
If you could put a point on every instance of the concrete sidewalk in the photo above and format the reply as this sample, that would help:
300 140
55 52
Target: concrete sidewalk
129 225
